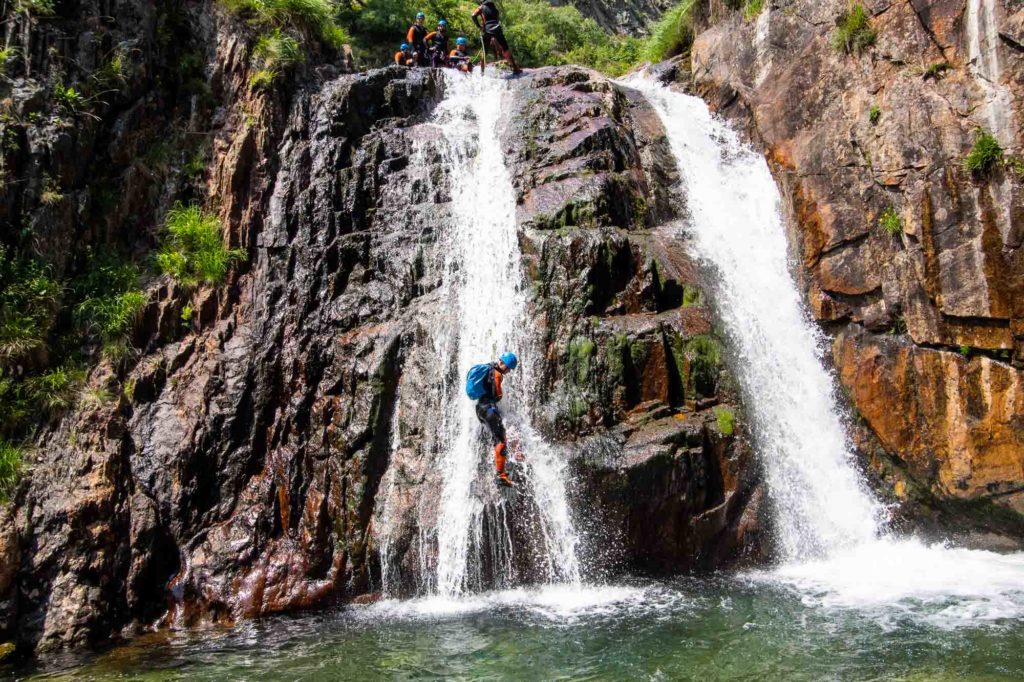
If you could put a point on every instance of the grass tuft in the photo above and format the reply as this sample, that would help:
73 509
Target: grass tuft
985 155
10 468
890 222
673 34
752 9
874 114
193 251
853 31
317 16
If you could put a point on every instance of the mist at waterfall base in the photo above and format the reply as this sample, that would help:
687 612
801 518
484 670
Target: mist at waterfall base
847 601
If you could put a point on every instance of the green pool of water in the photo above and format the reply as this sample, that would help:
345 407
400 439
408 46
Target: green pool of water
702 629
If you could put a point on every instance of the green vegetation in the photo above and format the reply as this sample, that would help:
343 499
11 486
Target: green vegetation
42 8
7 55
965 351
110 302
57 389
51 194
936 70
539 33
985 156
10 468
692 296
891 222
874 114
317 16
853 30
274 53
69 98
726 419
704 355
673 34
581 351
752 9
29 299
193 251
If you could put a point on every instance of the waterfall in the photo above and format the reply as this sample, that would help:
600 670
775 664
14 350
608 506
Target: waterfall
983 55
488 298
735 223
829 530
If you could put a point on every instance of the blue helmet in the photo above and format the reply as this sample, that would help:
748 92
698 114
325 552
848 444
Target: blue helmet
510 360
404 47
442 23
461 41
420 15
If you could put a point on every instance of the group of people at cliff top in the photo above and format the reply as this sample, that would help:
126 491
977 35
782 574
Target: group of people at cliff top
423 48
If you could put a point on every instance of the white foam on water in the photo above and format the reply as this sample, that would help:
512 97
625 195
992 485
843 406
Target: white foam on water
828 524
550 602
942 586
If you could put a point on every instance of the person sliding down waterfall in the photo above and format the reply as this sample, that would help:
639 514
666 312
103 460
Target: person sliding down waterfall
483 384
493 35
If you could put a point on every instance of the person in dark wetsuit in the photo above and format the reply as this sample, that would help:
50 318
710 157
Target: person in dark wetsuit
487 412
416 37
437 44
459 58
487 19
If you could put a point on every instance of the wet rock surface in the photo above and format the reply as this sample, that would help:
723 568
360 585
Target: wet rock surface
634 367
851 137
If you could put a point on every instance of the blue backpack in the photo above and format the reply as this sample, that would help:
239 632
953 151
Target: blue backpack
478 381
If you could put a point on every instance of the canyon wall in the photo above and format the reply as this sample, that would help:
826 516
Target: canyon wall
908 258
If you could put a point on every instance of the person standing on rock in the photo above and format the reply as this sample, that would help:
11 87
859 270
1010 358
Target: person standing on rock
437 44
488 20
483 384
417 37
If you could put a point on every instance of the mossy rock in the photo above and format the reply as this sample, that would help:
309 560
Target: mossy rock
6 649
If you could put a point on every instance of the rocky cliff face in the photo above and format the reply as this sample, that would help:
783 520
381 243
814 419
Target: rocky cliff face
926 313
233 469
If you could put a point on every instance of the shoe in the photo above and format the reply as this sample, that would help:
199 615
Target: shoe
504 480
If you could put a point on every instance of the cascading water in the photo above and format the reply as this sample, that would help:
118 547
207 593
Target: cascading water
736 228
829 526
484 276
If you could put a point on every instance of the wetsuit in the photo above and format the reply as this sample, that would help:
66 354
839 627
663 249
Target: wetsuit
488 12
437 46
460 60
416 38
404 58
487 412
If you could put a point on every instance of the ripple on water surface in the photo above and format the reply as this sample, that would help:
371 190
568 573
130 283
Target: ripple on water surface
806 622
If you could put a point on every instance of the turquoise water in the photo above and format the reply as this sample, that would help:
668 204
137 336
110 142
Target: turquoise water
707 629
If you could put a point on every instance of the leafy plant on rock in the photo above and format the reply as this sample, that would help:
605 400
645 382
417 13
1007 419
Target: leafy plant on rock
673 34
274 53
752 9
110 302
890 221
853 31
10 468
317 16
193 251
985 155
